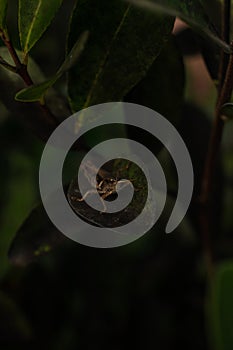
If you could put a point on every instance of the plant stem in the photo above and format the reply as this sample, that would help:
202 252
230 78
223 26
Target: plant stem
7 65
21 70
224 95
217 131
226 19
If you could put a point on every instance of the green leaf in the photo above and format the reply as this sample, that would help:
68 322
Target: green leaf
36 237
18 187
75 53
220 308
36 92
13 322
124 42
34 18
192 12
3 11
161 92
29 114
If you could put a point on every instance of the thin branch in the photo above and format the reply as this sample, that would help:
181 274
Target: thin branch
21 70
217 131
224 95
7 65
225 30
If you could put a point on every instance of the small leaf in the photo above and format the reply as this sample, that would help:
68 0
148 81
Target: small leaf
191 12
31 115
124 42
227 110
3 11
34 18
36 92
220 308
36 237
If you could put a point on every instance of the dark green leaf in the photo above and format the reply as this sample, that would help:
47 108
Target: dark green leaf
120 169
30 114
75 53
36 237
18 182
192 12
124 42
14 327
34 18
161 90
220 308
36 92
3 11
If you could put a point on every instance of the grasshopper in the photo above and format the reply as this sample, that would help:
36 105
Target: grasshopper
104 183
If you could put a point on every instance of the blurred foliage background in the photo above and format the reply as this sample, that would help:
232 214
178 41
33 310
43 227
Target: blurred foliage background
153 293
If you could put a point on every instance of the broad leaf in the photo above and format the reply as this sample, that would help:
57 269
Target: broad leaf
192 12
124 42
34 18
160 92
220 308
3 11
14 325
36 237
36 92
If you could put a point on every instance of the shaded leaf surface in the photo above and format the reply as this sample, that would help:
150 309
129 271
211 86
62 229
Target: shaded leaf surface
36 237
30 114
3 11
34 18
221 307
161 90
124 41
192 12
14 327
36 92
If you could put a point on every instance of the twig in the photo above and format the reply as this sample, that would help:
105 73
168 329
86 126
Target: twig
7 65
224 95
21 70
225 30
217 131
